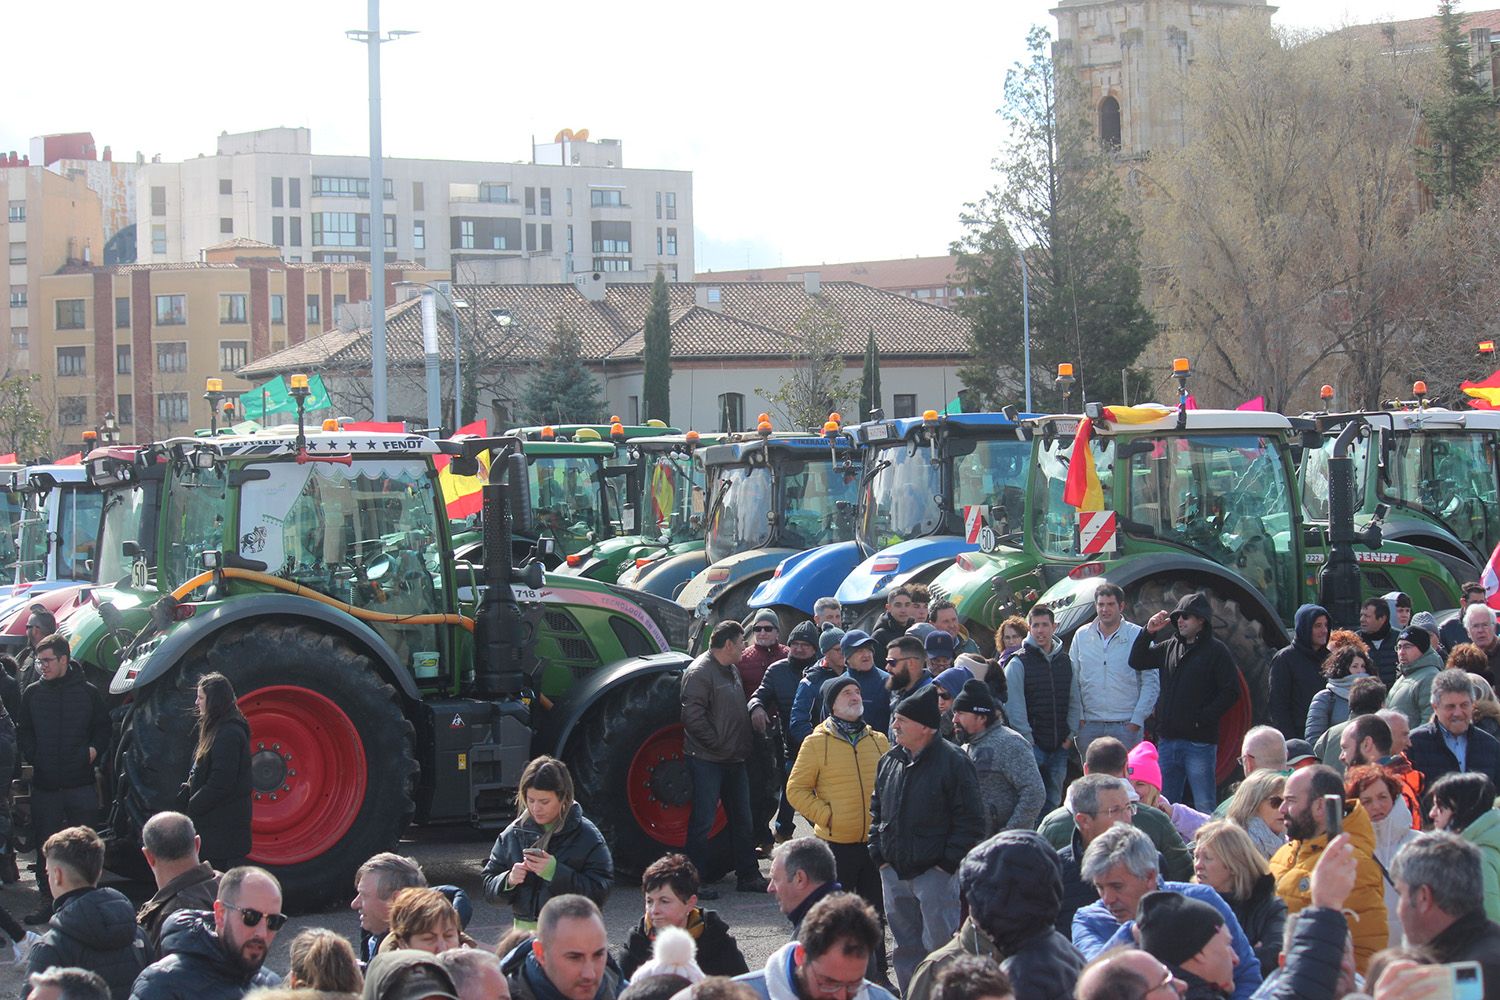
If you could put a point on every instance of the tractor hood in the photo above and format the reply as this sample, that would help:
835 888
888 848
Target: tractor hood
729 573
803 578
889 568
668 570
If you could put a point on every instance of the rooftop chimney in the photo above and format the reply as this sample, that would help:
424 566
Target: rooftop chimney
591 285
812 283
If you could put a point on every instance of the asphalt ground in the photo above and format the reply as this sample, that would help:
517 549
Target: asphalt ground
454 855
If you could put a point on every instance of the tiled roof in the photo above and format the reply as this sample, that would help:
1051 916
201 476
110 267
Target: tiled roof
240 243
907 272
1418 32
751 320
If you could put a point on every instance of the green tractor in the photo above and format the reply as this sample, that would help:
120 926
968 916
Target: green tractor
1192 500
1437 472
385 681
664 507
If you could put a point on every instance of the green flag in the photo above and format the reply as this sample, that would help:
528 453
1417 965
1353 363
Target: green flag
275 397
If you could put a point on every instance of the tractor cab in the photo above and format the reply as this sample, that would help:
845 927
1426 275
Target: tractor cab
57 527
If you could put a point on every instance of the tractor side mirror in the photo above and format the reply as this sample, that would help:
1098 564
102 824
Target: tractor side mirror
465 465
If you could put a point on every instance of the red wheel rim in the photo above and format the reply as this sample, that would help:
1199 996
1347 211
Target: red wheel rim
660 790
307 767
1233 726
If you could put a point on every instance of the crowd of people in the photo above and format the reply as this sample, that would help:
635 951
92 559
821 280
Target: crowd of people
1041 823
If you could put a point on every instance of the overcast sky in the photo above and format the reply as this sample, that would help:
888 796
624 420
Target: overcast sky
817 132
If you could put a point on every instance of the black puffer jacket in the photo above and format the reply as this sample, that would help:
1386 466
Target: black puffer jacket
196 966
777 692
718 953
61 720
1262 917
925 813
1076 893
1199 681
583 864
219 793
94 929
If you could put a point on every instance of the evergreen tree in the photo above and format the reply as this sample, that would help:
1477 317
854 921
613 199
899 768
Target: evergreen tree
869 387
1461 122
656 392
1059 198
561 390
22 427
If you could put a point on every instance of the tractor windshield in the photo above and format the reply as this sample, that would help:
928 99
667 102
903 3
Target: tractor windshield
816 502
566 500
1054 522
991 474
740 518
10 523
31 564
902 498
673 498
359 533
1452 477
125 508
1225 496
1315 477
194 522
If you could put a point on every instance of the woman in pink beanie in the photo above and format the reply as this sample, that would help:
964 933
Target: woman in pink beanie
1143 769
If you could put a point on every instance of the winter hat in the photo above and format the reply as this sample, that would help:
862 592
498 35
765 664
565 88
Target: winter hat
1144 765
952 680
853 639
831 637
921 630
829 692
460 901
673 954
804 632
1417 636
976 664
408 974
1196 605
765 616
1298 751
1426 621
1013 875
1174 927
940 643
921 707
975 697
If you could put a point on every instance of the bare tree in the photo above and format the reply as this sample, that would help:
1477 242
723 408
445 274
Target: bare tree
814 384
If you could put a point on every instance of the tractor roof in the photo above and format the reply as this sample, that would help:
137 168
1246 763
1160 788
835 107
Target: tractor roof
877 432
38 478
281 441
800 446
1197 421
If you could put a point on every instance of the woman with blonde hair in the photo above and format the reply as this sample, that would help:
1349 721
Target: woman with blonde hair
549 849
1225 857
425 920
1256 809
1486 705
322 960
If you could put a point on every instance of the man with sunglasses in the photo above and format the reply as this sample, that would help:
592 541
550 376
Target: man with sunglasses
40 623
829 958
63 730
219 954
94 928
764 650
906 663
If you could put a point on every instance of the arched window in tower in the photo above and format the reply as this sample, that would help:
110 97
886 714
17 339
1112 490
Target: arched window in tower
1109 123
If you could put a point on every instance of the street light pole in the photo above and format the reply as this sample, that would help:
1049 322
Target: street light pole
430 358
1026 321
372 38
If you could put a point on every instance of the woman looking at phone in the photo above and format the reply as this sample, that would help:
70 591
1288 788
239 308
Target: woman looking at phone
549 849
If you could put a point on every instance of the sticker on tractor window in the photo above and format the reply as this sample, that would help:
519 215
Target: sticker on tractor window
1096 532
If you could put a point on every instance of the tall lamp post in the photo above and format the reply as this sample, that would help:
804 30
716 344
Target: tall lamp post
372 38
1026 321
500 316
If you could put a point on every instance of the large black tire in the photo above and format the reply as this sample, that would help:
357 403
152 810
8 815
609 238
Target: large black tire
332 757
631 777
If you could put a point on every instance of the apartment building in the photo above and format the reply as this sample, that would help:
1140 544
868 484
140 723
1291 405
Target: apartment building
139 340
576 203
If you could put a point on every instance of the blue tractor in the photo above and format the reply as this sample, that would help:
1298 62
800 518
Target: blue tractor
934 486
771 495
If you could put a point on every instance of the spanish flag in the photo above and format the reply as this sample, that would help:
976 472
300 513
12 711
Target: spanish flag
1144 414
464 495
1083 489
663 492
1486 393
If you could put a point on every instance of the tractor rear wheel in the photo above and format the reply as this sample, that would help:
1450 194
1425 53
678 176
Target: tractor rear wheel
631 777
332 761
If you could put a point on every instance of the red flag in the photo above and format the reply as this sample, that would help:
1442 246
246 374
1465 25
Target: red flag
1258 404
1491 580
9 458
74 459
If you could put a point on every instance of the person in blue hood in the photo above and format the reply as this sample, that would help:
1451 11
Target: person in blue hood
1297 670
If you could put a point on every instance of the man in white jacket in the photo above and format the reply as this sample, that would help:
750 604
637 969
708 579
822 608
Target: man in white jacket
1114 699
829 957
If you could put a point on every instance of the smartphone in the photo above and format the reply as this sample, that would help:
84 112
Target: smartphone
532 851
1333 815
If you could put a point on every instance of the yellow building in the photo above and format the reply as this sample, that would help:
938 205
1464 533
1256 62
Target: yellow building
140 340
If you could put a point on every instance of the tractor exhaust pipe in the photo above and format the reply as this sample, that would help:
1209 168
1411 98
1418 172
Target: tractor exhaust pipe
1338 584
505 655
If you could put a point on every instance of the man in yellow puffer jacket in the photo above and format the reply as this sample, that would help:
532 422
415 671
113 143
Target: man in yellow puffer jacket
1306 828
832 781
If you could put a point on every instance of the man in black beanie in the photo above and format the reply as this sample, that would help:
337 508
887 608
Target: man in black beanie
1190 938
1010 783
1012 884
925 816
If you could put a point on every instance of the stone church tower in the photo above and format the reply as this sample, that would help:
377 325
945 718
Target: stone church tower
1130 56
